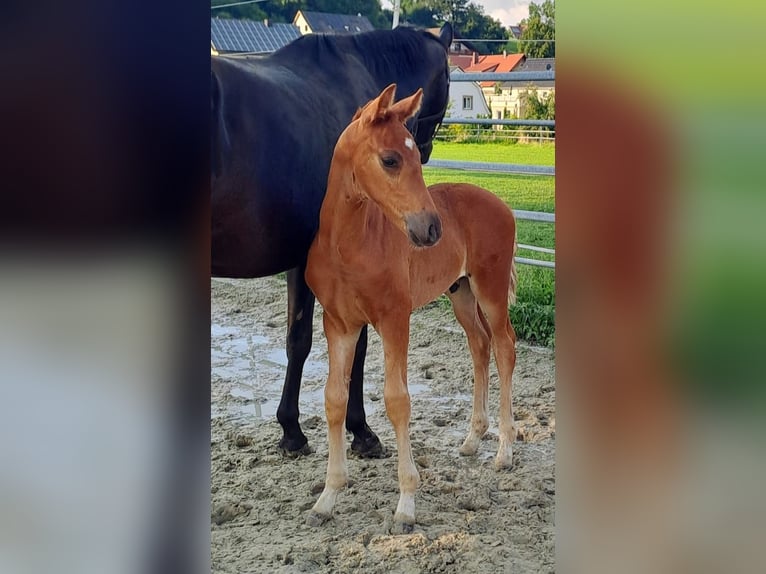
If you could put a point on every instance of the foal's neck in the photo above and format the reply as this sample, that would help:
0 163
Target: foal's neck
347 217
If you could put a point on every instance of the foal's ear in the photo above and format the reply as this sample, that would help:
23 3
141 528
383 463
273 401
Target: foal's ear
406 108
377 109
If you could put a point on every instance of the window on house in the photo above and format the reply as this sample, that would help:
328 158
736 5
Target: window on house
467 102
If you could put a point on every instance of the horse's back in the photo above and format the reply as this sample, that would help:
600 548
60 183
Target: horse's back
473 208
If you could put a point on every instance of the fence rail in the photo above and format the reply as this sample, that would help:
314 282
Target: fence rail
507 168
498 122
548 76
494 167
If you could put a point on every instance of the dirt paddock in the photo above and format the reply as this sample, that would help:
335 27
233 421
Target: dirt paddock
470 517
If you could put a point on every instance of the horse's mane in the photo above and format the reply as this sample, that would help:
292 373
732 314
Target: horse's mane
381 51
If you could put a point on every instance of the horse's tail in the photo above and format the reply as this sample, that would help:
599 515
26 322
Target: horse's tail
514 277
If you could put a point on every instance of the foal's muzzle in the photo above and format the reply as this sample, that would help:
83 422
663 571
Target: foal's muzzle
424 229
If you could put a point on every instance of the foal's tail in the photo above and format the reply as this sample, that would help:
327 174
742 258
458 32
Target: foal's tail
514 278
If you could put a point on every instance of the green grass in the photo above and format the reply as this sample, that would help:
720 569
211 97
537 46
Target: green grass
531 154
530 192
533 314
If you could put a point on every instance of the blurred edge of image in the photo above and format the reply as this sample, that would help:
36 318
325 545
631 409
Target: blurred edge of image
104 288
660 276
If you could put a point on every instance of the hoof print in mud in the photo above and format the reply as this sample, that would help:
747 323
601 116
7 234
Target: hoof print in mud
314 519
402 528
228 512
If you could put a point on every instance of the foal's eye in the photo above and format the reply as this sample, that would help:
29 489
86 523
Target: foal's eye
389 161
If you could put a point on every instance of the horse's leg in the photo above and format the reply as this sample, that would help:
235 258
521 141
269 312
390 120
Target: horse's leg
300 315
340 347
493 300
366 444
470 318
395 334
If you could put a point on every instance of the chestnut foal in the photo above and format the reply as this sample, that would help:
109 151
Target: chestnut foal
387 245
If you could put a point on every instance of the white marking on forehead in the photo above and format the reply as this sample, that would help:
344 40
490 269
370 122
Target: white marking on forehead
409 143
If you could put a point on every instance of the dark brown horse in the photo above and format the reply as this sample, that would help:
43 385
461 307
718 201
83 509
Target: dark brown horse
275 122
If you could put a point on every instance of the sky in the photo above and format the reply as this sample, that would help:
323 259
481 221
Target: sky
509 12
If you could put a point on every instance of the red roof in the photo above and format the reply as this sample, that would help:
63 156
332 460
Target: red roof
495 63
462 60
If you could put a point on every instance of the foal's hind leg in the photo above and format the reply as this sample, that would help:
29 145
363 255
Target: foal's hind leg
469 316
504 346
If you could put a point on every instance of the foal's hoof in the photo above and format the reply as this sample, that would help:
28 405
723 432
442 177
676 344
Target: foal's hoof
314 519
470 447
294 448
369 447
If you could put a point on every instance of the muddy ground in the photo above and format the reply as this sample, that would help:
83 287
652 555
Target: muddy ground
470 517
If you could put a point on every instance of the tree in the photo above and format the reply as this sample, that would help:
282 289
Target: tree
534 107
478 25
540 25
467 18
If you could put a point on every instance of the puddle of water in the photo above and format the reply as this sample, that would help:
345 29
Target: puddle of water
417 388
256 366
242 392
221 331
312 369
276 357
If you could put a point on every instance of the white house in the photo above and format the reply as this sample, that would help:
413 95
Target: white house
326 23
466 98
505 97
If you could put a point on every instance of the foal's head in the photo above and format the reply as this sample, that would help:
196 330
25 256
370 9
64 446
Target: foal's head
385 165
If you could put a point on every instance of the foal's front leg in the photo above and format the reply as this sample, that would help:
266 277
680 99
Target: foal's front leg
366 443
395 333
341 343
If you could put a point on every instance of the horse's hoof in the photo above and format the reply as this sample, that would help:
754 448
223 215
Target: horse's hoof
370 447
469 448
314 519
294 448
402 528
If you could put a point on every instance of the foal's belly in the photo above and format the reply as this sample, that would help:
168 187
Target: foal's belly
434 269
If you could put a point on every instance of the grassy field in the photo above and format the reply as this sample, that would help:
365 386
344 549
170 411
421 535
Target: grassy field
532 154
533 315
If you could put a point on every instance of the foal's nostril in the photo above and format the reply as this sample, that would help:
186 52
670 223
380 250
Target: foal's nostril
424 229
434 234
434 231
